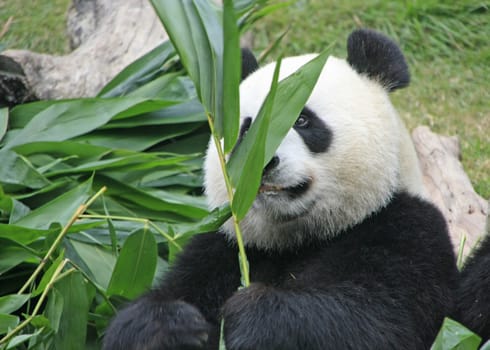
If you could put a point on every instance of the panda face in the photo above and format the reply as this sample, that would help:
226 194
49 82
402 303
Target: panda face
336 166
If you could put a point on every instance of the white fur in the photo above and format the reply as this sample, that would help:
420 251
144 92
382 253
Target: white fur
354 178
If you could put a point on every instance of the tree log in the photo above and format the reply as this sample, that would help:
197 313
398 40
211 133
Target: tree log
449 187
106 36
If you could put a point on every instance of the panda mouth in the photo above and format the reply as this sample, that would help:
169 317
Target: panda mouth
293 191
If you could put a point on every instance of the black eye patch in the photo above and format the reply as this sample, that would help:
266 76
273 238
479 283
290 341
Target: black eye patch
314 132
243 130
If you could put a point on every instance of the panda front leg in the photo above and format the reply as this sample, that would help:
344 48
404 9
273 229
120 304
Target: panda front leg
268 318
183 312
150 323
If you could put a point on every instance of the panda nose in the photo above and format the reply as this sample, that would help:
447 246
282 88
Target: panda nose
274 162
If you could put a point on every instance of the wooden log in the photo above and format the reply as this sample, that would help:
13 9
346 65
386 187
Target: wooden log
106 36
449 187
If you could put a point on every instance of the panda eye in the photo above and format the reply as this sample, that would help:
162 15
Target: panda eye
302 122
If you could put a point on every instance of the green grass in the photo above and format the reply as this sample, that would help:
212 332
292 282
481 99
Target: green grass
446 45
37 25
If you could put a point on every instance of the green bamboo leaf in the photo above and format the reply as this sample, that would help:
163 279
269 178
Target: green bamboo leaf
8 322
290 101
12 302
126 164
195 30
72 330
135 266
20 115
145 199
231 76
18 171
140 72
59 210
95 260
12 207
185 112
137 138
454 336
210 223
287 106
247 186
19 339
171 87
54 309
4 119
13 256
23 235
66 119
82 151
48 275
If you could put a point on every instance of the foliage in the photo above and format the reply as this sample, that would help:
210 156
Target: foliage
453 335
69 257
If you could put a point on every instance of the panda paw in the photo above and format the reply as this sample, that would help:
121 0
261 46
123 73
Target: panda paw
150 325
247 320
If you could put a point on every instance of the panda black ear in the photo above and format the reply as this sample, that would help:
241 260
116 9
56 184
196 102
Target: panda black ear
249 63
377 56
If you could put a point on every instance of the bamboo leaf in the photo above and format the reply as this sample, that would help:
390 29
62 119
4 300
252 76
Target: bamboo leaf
138 138
95 260
140 72
287 106
146 199
59 210
11 303
13 256
454 336
72 330
24 235
8 322
247 186
196 33
4 119
48 275
66 119
135 266
231 76
17 170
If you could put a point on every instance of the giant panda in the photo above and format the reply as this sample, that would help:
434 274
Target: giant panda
343 249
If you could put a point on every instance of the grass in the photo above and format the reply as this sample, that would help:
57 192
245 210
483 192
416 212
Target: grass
37 25
445 42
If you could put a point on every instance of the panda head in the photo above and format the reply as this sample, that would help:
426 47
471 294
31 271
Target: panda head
340 162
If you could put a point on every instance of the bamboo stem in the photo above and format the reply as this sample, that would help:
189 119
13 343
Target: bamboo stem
236 223
81 209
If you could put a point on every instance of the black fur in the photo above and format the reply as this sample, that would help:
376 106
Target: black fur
249 63
474 292
316 135
377 56
383 284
